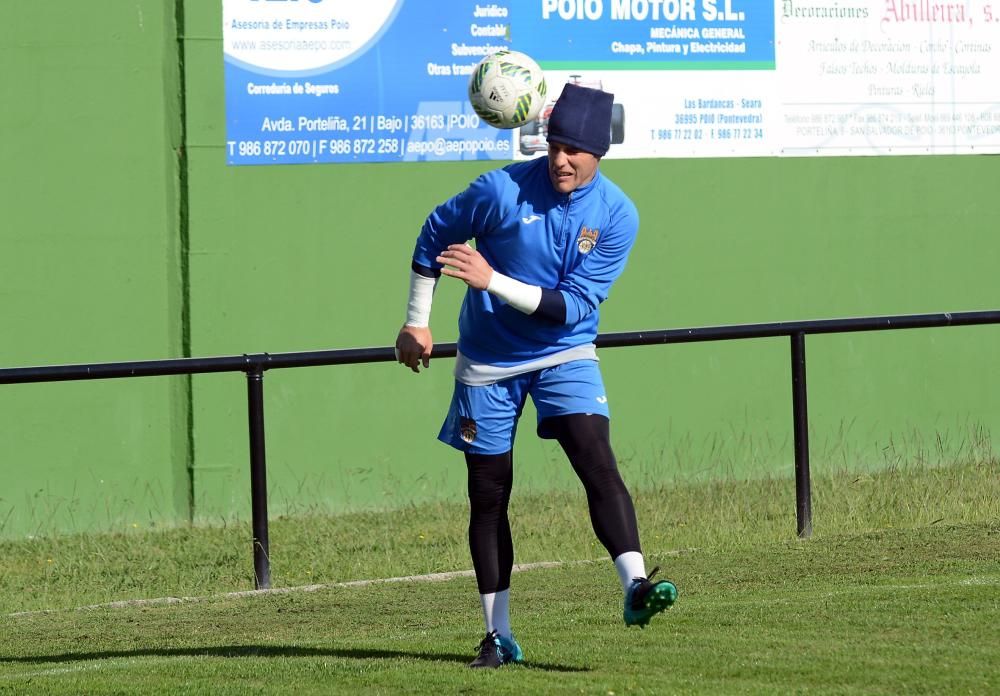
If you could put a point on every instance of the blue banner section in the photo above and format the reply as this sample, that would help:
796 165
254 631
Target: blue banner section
644 34
404 98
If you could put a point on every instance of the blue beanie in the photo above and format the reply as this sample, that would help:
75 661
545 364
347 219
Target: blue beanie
581 118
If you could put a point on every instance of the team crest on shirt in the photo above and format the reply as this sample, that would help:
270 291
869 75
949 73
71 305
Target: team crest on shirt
587 239
467 429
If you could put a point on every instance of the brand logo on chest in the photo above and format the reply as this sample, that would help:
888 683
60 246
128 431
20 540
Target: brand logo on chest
587 239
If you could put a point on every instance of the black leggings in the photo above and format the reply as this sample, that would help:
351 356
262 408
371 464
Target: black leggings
587 443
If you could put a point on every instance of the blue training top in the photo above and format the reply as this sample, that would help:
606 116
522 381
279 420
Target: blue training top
575 243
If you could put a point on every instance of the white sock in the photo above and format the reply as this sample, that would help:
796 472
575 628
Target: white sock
630 565
496 612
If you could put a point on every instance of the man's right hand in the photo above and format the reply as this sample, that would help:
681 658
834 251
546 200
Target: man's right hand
413 346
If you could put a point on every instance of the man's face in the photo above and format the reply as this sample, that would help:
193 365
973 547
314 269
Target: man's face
570 168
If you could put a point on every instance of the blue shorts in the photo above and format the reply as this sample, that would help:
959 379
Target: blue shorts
483 420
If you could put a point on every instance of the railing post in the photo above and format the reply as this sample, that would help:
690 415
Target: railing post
800 415
258 472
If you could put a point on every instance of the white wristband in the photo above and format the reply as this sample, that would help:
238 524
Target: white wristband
520 296
418 307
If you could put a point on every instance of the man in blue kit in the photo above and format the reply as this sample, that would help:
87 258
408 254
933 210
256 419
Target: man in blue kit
552 234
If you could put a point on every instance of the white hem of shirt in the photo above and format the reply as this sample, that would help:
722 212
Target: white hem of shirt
476 374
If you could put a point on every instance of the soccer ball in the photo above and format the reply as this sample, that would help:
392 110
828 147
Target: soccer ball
507 89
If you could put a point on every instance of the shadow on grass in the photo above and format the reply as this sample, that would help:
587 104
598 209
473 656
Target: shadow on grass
269 651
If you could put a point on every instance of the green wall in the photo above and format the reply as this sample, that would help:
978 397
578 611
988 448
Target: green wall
120 249
90 267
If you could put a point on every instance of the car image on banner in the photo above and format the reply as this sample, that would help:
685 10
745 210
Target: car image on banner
532 137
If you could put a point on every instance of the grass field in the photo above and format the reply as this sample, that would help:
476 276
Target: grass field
897 592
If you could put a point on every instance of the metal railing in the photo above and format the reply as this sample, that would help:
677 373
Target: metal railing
254 366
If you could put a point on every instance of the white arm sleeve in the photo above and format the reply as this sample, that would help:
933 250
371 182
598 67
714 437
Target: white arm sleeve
520 296
418 307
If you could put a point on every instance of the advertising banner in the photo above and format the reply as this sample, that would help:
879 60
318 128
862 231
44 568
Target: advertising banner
311 81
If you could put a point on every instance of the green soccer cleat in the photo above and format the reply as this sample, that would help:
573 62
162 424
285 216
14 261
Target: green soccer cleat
645 599
497 651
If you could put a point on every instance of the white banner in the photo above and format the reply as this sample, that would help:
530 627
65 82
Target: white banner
887 77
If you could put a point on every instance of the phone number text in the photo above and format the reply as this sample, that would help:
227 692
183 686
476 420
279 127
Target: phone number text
316 148
707 133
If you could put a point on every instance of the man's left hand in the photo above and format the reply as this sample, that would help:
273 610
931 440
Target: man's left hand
465 263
